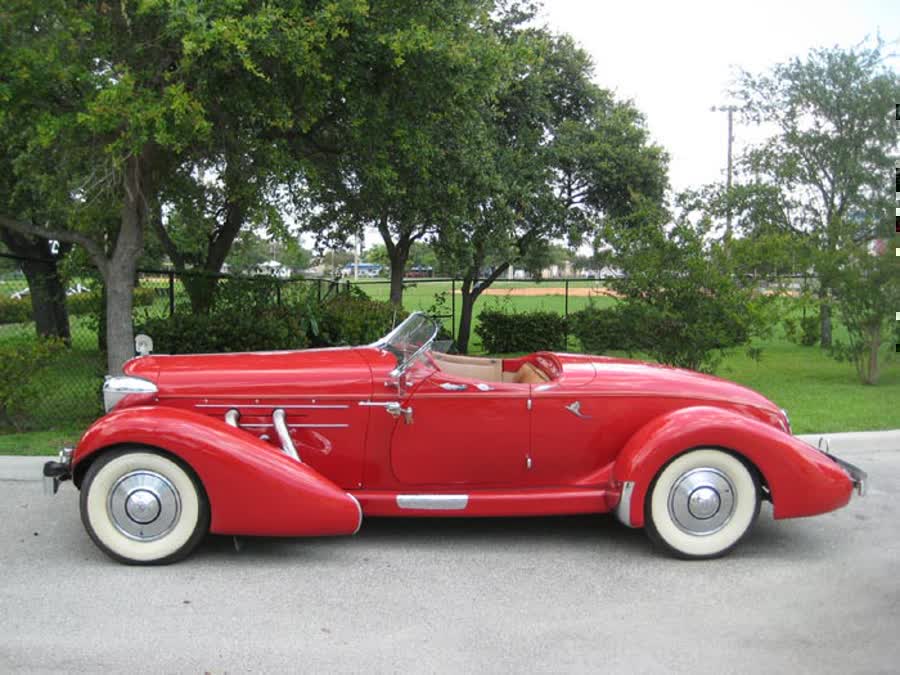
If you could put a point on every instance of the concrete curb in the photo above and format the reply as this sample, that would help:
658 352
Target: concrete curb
851 443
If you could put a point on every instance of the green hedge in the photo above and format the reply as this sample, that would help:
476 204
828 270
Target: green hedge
19 310
19 365
503 333
355 319
14 311
188 333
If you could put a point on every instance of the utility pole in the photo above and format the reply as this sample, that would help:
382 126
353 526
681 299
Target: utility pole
730 109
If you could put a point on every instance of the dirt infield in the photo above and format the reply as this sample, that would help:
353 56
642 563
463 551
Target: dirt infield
577 292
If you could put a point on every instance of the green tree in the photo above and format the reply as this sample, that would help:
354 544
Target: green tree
685 301
867 295
107 99
402 133
824 174
558 155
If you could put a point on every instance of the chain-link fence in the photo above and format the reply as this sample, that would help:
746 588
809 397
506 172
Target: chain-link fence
67 390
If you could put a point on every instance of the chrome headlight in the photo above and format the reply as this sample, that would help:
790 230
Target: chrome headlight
117 388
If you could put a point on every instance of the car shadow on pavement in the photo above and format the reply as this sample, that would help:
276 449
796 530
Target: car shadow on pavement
593 534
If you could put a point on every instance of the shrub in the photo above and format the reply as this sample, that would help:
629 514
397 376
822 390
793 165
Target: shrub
89 302
811 329
502 332
188 333
602 330
19 310
14 310
355 319
244 317
19 364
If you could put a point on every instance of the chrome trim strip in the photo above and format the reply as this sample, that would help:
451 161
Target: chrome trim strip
284 435
264 425
358 508
335 406
623 509
433 502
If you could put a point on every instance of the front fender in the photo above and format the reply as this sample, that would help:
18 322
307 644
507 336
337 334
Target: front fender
802 481
253 488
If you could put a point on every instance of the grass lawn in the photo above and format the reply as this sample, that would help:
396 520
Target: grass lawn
39 442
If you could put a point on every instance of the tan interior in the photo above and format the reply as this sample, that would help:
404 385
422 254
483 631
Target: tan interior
487 370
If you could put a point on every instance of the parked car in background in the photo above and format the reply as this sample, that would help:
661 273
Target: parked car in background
308 443
365 269
420 271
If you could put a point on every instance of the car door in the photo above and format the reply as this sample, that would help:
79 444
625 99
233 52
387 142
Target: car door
461 431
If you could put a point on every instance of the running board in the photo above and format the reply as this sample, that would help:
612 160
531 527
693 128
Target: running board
523 502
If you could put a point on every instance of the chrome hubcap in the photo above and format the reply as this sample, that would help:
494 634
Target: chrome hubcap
701 501
144 505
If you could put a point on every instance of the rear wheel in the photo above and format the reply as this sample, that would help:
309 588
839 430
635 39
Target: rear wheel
142 507
702 504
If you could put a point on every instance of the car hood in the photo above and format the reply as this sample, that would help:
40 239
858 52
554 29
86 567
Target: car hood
336 371
638 378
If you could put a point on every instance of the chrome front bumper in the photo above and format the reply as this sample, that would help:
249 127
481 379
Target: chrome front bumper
858 477
58 471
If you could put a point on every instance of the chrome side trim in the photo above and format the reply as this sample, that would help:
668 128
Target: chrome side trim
264 425
232 417
358 508
623 510
575 409
304 406
433 502
284 435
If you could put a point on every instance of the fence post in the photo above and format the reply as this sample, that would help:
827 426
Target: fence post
453 309
319 289
278 293
566 316
171 293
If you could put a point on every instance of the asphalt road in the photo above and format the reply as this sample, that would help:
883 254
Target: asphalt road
817 595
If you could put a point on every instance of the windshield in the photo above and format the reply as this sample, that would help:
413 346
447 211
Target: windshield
410 339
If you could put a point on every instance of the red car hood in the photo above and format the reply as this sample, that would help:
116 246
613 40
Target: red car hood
629 377
249 374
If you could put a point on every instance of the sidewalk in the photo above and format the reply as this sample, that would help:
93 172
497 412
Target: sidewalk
29 468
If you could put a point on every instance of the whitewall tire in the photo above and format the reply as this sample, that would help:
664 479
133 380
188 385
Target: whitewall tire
702 503
142 507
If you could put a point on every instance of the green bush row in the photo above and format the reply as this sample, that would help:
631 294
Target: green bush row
19 364
503 332
628 326
249 318
18 310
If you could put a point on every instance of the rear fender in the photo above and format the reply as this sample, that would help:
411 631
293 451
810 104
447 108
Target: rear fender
802 481
253 488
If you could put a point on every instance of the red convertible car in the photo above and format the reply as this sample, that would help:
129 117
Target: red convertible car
307 443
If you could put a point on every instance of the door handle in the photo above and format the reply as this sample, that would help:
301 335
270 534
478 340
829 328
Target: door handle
393 408
450 386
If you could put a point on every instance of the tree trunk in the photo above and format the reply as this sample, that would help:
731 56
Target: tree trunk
874 345
469 292
48 295
825 320
467 305
48 299
121 270
398 255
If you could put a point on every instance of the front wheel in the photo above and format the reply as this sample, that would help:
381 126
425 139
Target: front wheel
142 507
702 504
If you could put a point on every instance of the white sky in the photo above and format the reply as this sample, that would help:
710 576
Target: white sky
676 59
